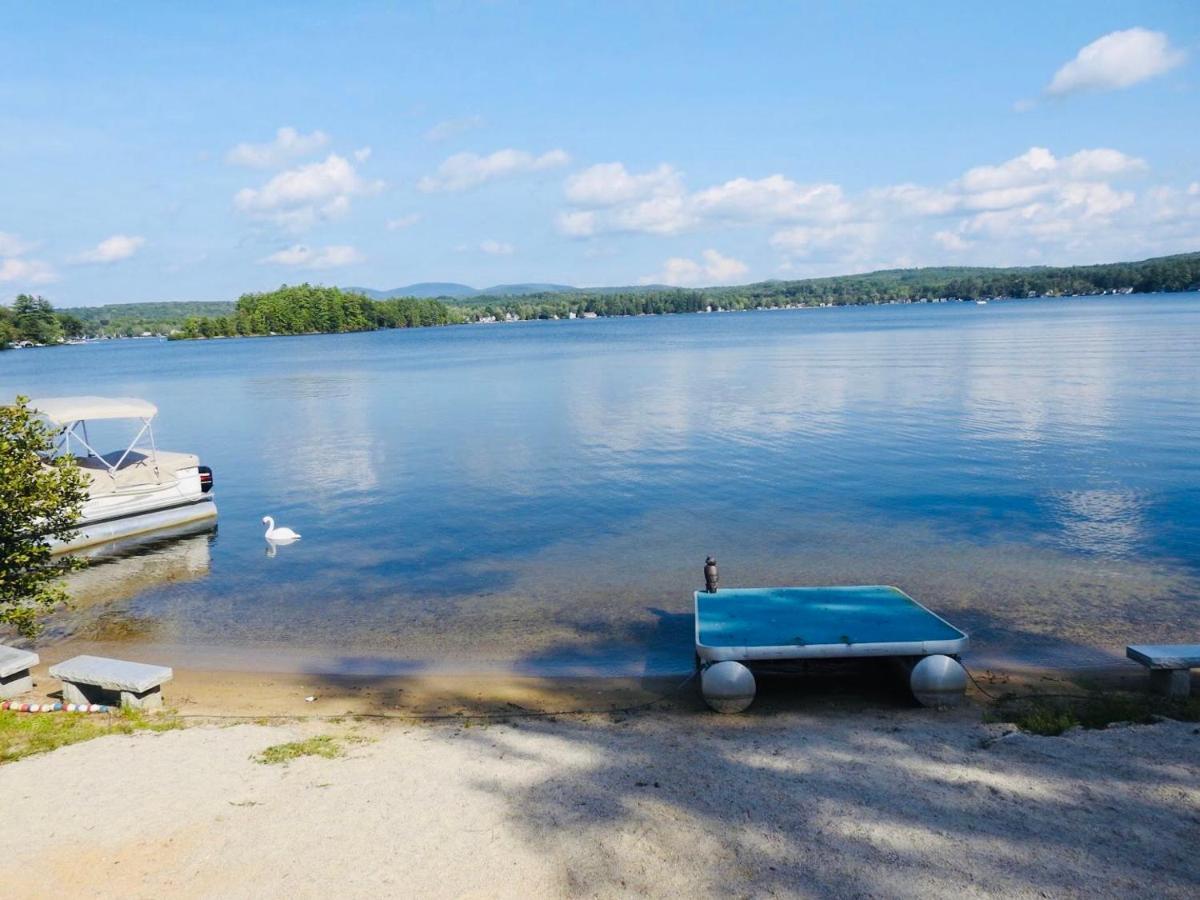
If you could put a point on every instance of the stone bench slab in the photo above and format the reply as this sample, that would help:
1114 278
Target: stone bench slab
15 678
1165 656
112 674
13 660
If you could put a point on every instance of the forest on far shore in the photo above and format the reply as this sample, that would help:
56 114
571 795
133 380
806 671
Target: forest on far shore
307 309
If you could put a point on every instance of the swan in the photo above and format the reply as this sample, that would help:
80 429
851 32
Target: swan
278 534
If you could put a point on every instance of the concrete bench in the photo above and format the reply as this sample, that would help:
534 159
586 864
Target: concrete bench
14 671
95 679
1169 665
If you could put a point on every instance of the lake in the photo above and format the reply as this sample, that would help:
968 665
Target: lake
539 497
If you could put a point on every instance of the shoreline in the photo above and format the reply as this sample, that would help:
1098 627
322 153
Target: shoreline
199 691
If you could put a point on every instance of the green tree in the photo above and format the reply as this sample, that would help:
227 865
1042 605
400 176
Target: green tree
35 319
8 328
72 326
39 500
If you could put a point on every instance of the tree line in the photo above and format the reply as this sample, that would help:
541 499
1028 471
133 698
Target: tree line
309 309
1169 273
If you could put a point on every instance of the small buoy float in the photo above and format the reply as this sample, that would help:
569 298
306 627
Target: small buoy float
728 686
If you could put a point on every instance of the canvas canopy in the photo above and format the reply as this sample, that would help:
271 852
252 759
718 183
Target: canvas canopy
62 411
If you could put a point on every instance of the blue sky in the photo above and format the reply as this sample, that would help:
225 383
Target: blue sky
170 152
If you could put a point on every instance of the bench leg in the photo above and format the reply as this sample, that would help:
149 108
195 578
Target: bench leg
1171 682
73 694
151 699
15 684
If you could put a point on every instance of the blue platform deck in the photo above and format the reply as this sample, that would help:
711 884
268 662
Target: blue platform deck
819 623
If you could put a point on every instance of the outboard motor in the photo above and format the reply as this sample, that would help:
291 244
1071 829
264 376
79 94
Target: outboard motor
710 575
206 479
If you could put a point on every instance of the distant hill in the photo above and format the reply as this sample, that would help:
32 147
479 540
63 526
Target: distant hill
423 289
456 291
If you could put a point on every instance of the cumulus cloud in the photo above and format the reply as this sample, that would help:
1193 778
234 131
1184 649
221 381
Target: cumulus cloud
1118 60
451 127
608 184
712 268
298 198
26 271
408 220
1038 166
496 248
467 170
15 268
288 144
331 256
112 249
658 202
1083 206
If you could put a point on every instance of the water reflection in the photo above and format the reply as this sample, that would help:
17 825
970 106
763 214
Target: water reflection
1101 521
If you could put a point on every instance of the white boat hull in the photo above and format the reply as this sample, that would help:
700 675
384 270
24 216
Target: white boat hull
100 532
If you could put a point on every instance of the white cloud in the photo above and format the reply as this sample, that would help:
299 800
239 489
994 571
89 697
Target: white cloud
771 199
1120 59
288 145
12 245
843 242
496 248
1039 167
577 223
658 202
951 241
112 249
401 222
331 256
714 268
15 268
27 271
362 154
467 170
1084 206
300 197
451 127
608 184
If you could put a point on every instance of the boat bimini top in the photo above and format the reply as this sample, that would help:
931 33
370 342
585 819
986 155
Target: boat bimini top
70 416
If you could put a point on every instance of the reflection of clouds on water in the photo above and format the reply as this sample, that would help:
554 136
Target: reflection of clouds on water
1021 387
1101 521
663 404
327 445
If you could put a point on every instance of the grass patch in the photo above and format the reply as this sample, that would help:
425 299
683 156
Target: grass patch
26 734
325 745
1052 716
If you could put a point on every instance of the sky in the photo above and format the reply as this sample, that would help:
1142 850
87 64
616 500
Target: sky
156 151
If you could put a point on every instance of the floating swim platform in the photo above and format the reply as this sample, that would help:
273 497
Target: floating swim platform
747 624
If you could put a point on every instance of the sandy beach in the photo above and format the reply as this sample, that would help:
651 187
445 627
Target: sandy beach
800 797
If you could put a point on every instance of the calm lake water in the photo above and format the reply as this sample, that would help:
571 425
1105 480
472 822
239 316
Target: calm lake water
541 496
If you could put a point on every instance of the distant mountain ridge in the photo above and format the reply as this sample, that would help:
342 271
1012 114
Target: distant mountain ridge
454 291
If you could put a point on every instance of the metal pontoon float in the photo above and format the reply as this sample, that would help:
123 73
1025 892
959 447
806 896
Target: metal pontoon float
740 626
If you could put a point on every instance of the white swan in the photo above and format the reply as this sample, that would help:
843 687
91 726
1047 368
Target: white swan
278 535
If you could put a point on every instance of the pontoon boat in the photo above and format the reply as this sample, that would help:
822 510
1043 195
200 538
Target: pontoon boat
131 491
